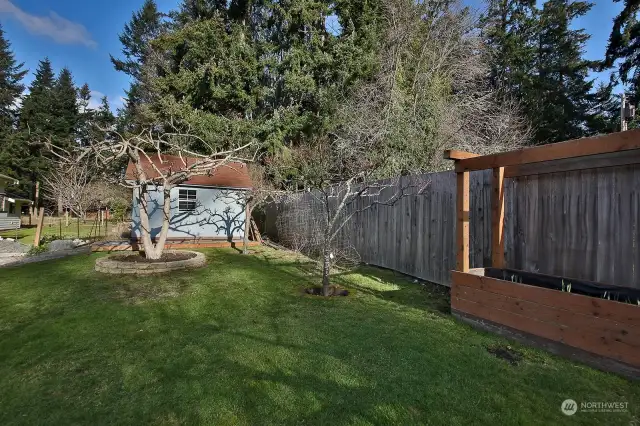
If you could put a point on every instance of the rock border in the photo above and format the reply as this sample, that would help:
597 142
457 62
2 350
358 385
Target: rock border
109 265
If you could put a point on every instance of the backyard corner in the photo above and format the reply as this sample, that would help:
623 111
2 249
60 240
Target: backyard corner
239 342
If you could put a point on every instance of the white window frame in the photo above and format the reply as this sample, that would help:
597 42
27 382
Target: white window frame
189 197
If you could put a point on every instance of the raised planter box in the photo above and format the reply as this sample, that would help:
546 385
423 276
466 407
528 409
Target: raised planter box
602 333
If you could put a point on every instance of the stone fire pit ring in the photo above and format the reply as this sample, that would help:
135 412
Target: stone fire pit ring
112 264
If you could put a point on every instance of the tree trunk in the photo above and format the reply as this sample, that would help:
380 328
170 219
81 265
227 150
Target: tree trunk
145 231
66 217
247 227
326 268
166 219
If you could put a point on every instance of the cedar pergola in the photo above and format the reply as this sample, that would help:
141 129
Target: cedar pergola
579 154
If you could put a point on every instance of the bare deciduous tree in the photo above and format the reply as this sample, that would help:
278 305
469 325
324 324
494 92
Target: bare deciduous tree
111 154
431 92
336 173
261 190
71 186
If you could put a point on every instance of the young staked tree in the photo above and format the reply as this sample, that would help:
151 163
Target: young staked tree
11 88
138 149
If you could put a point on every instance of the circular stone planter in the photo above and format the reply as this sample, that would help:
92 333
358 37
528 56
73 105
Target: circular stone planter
111 265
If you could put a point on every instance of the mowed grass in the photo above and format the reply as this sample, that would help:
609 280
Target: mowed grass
239 343
26 235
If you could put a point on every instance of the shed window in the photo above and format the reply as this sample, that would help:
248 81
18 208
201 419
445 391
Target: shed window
187 200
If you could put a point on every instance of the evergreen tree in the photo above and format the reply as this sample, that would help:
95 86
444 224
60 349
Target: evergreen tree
564 98
11 75
509 28
145 25
624 45
39 105
85 115
605 116
11 88
66 113
36 121
104 118
537 59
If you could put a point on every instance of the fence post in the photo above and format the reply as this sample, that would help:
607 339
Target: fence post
36 241
462 225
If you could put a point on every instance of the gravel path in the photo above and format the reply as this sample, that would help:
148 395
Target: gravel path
8 246
22 260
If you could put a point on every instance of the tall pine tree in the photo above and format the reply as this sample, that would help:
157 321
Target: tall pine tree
37 121
11 88
67 114
509 27
538 59
85 115
145 25
624 45
564 100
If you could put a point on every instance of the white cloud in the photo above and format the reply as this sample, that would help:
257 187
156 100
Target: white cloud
61 30
96 98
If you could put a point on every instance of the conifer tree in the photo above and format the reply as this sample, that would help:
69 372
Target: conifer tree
39 105
564 98
11 88
66 113
36 121
145 25
624 45
85 115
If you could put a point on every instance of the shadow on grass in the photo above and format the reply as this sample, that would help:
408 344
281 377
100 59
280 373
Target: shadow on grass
381 283
238 345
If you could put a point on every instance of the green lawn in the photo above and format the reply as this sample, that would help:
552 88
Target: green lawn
26 235
238 343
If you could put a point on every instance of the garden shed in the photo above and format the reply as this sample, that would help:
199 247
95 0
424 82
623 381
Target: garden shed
203 209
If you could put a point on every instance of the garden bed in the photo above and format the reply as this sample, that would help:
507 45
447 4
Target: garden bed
134 264
574 318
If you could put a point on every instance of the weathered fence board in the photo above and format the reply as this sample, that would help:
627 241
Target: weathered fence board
579 224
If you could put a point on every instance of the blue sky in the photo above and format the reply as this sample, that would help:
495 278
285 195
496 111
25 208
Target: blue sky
80 35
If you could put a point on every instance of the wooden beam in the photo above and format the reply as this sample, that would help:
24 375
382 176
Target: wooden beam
611 159
615 142
36 239
453 154
462 222
497 218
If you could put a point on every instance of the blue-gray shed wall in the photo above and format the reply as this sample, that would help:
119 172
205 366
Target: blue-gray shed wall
219 213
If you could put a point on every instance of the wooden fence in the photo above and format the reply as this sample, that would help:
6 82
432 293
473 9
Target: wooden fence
576 224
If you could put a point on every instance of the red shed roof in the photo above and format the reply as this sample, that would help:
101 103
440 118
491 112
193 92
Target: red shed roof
229 175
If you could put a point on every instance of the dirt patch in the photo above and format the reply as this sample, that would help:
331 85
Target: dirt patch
506 353
166 257
334 291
